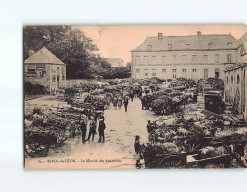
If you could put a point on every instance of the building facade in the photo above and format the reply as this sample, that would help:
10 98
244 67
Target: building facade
44 68
236 81
115 62
192 57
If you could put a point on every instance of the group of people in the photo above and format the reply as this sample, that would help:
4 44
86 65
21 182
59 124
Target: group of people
93 128
119 100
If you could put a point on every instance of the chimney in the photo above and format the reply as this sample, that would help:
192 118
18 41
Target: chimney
198 33
31 52
160 36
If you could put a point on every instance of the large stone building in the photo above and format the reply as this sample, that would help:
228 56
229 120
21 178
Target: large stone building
236 81
194 56
44 68
115 62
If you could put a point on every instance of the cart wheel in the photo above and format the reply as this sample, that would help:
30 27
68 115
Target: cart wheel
172 162
37 144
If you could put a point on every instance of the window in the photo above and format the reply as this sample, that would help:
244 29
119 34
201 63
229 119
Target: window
205 73
43 73
154 74
58 70
187 46
231 79
163 59
145 60
169 46
210 45
193 70
163 70
229 58
174 74
205 58
53 78
31 70
194 58
217 58
184 70
238 79
145 72
137 70
229 44
153 59
149 47
242 50
160 36
137 60
217 73
227 79
63 77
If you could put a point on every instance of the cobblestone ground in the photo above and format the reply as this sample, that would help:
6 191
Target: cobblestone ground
118 149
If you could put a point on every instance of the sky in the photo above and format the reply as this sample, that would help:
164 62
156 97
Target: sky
118 41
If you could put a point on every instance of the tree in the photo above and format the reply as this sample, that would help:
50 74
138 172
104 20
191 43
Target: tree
75 49
70 46
36 37
121 72
128 66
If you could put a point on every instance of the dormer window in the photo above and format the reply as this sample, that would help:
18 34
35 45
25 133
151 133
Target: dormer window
169 46
242 50
229 44
210 45
149 47
187 46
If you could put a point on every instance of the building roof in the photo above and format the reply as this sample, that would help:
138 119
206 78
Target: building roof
196 42
235 66
242 39
43 56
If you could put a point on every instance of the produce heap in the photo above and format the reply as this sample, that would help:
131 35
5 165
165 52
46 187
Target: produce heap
164 102
200 135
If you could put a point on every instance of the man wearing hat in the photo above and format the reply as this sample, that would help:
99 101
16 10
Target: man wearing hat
83 130
92 129
101 130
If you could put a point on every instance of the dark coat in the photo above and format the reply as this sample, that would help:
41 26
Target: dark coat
102 126
83 127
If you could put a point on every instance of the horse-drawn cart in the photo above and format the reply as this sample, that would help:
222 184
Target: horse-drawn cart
38 140
216 154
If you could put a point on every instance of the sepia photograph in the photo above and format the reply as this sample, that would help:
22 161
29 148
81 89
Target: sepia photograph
135 96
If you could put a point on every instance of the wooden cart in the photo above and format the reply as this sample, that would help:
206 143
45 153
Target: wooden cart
38 142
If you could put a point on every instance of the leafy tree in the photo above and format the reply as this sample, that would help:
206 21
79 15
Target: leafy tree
71 46
75 49
128 66
121 72
36 37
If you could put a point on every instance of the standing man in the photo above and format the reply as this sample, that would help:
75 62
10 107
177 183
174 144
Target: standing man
119 101
83 131
126 102
101 131
195 94
92 129
132 94
143 102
